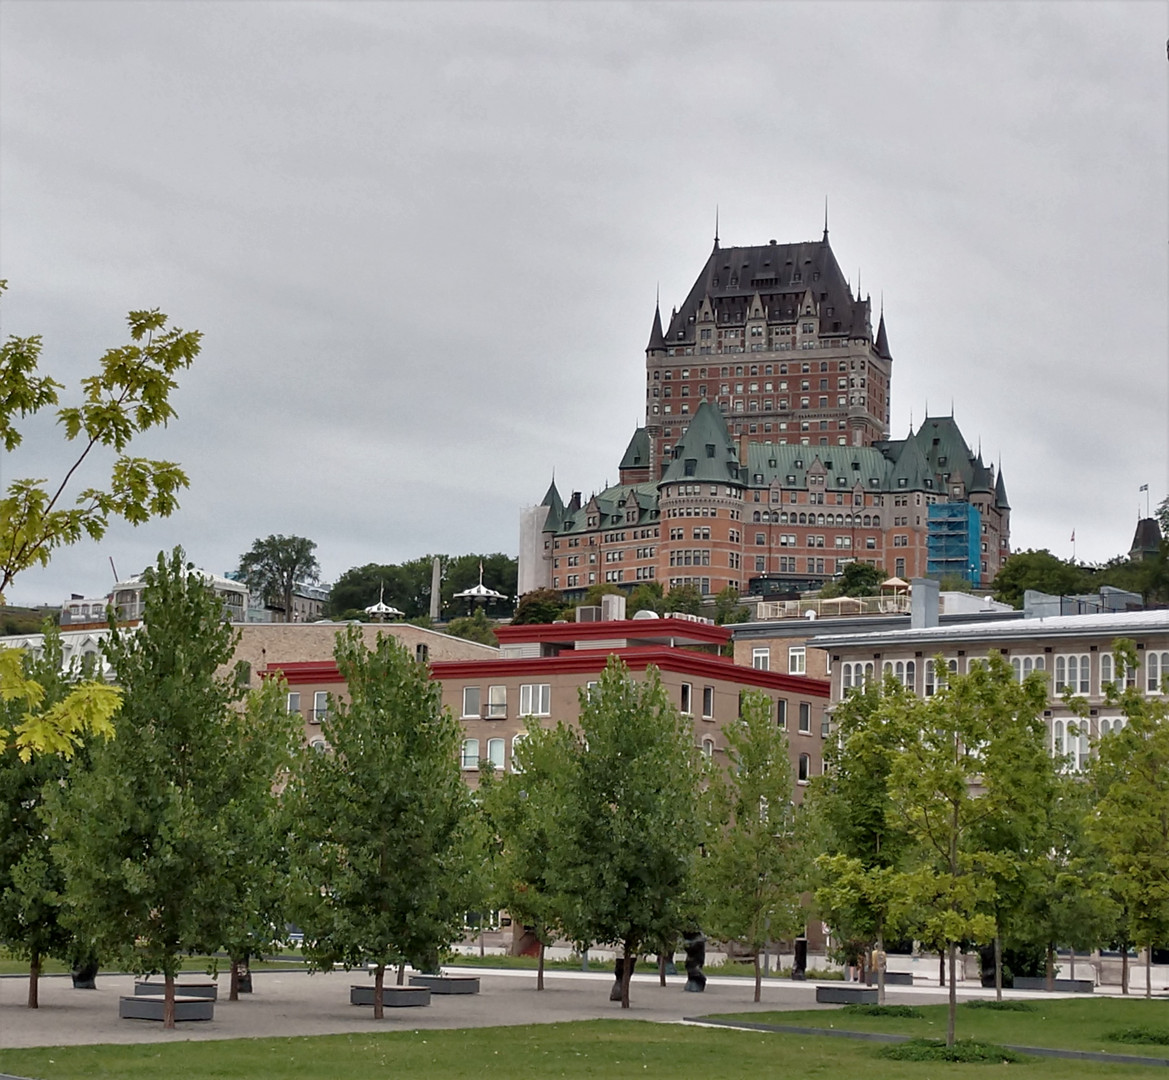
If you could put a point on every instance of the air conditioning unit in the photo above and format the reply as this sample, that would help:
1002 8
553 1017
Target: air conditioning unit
588 614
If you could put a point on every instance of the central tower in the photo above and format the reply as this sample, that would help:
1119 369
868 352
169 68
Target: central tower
774 338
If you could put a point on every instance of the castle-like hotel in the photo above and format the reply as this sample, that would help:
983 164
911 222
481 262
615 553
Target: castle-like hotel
764 463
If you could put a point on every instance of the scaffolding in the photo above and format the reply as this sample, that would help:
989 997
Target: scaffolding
953 542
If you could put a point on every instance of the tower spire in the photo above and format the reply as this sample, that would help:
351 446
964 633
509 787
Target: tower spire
825 218
716 226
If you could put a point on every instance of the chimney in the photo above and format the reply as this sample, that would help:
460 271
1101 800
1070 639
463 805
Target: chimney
923 611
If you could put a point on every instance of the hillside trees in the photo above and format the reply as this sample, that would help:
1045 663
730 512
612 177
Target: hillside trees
386 846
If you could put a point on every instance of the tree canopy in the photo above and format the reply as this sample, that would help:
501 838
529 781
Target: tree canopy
275 565
1038 570
856 579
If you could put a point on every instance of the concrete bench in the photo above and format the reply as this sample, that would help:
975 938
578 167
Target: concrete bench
143 1007
393 997
894 978
182 989
845 994
447 984
1064 986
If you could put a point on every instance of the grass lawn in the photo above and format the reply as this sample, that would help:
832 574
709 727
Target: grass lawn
594 1048
1062 1023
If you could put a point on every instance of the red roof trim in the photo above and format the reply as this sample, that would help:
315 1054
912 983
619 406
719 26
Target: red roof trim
678 661
637 629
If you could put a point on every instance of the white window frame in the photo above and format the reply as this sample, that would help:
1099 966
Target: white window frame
761 658
686 699
320 706
468 710
797 660
804 723
535 699
496 703
497 752
708 703
292 702
469 755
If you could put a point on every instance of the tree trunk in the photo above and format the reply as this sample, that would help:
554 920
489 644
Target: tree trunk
1124 968
880 964
168 1002
998 967
540 969
662 968
1049 974
758 977
1072 973
941 967
1149 970
233 991
379 982
482 944
627 975
952 1016
34 979
402 973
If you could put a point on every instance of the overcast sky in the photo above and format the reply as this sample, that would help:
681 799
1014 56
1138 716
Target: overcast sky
423 241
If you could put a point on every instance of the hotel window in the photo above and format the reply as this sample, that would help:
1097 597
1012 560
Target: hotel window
536 699
1024 665
470 755
496 702
320 706
797 662
1156 669
761 659
292 703
708 703
1072 673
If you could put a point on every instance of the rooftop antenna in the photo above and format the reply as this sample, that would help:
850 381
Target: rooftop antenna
716 225
951 408
114 569
825 217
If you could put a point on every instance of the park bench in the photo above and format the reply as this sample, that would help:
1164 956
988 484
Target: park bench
150 1007
447 984
182 989
1063 986
393 997
845 994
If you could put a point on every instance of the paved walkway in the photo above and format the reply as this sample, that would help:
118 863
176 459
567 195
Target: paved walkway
287 1003
295 1003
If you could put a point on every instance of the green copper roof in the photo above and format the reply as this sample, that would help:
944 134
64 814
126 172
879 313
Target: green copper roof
706 452
637 453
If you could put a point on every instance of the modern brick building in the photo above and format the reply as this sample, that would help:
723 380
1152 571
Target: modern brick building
764 463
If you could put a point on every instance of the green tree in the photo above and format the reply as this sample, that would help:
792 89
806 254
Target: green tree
1131 818
267 745
864 847
1162 516
274 566
31 885
727 608
754 869
475 627
1038 570
957 760
856 579
594 593
142 832
127 396
386 845
684 598
500 573
646 596
627 834
538 607
522 807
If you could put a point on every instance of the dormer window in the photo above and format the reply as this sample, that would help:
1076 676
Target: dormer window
710 450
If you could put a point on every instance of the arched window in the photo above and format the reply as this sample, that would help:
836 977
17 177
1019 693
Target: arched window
1057 744
708 747
515 743
495 752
